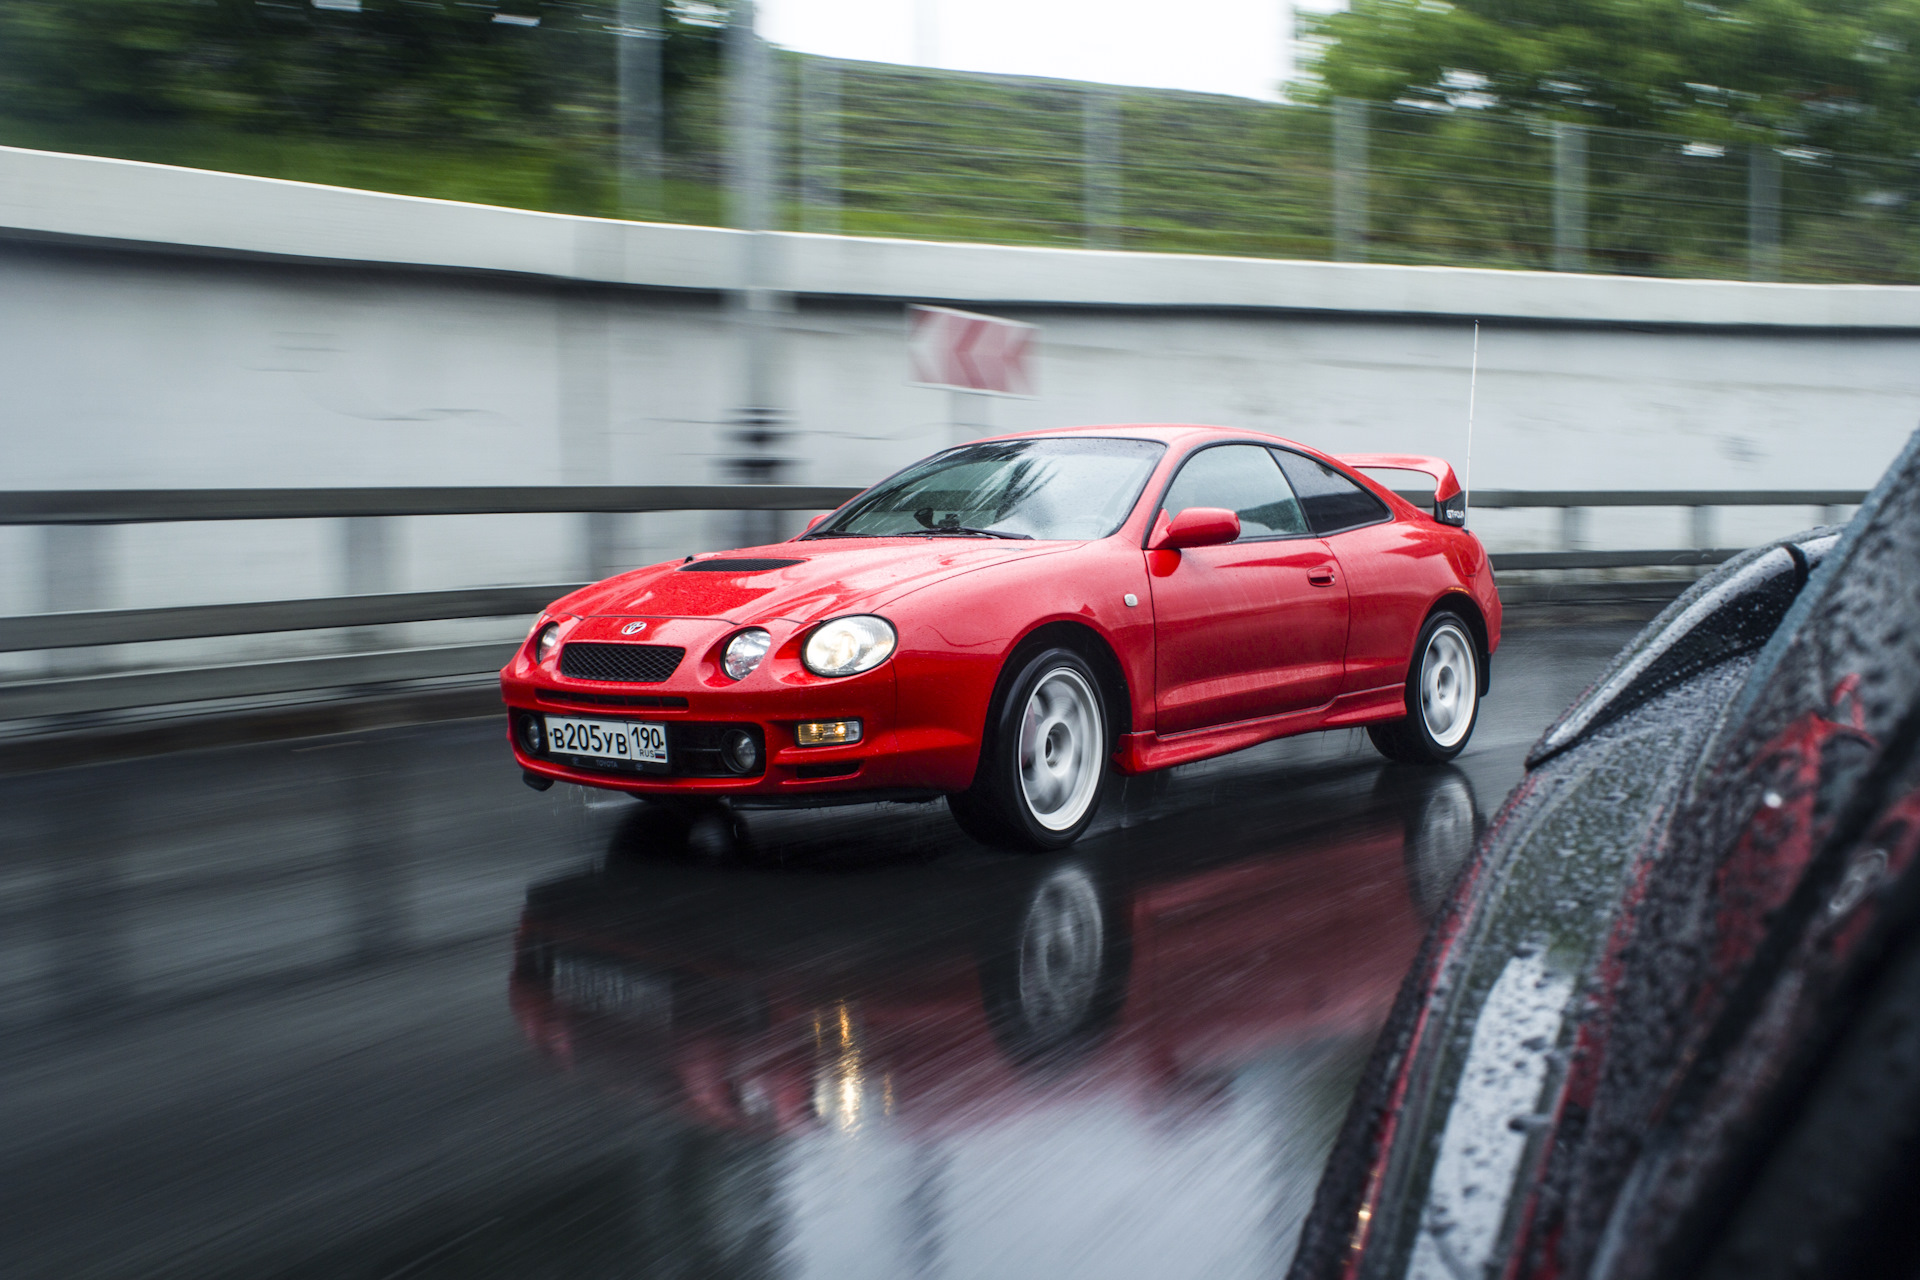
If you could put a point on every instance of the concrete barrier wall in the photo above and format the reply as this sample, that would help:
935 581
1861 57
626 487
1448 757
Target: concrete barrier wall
171 327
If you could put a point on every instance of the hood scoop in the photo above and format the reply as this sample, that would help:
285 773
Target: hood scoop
736 566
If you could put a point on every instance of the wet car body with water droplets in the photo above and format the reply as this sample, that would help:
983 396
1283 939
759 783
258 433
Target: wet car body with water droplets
1007 622
1670 1025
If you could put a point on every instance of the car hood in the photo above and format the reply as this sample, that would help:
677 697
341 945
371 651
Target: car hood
798 581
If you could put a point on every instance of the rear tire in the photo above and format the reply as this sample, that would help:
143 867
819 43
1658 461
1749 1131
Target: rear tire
1044 758
1443 696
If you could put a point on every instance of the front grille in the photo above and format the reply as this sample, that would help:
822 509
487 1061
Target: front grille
625 663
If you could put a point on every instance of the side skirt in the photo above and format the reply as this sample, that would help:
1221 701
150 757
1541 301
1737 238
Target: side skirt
1145 752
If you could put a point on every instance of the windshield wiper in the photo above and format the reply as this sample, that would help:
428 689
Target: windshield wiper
972 532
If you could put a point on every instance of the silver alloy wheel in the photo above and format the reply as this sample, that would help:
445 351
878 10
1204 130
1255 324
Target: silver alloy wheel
1062 948
1449 684
1062 749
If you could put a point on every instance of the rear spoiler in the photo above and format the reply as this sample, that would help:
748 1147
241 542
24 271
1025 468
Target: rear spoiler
1449 499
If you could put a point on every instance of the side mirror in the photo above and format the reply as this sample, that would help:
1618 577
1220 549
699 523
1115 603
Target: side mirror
815 521
1199 527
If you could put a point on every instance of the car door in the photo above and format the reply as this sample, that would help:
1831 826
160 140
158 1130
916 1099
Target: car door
1393 571
1254 627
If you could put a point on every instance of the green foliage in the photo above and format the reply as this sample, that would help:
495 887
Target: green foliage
1839 74
394 69
436 99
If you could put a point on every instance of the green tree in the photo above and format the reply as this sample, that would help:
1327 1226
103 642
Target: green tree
411 69
1839 74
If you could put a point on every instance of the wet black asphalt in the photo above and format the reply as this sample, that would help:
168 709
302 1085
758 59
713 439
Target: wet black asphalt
365 1006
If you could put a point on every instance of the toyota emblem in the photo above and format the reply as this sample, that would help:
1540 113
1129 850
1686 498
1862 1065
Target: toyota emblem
632 627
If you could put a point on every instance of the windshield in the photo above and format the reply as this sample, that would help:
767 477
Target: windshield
1073 487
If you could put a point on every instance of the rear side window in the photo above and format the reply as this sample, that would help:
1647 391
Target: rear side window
1243 479
1332 501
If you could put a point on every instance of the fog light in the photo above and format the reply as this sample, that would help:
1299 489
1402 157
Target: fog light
740 752
826 733
533 735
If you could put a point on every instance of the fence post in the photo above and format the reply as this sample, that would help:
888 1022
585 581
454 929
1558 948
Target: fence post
1569 197
819 145
1700 527
366 546
1100 166
73 578
1763 213
637 40
1573 528
1349 180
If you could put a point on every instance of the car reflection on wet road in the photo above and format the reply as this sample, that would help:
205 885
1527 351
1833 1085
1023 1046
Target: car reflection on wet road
364 1006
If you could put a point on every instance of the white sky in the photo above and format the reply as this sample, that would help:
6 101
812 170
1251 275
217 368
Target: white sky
1240 47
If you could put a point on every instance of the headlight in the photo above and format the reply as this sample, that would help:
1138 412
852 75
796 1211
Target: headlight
744 652
848 646
544 643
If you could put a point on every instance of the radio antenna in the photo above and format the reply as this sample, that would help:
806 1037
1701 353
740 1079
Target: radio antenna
1473 386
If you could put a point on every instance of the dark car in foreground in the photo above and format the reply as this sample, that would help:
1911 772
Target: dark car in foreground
1670 1023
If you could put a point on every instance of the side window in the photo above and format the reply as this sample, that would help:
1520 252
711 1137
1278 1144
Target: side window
1244 479
1333 502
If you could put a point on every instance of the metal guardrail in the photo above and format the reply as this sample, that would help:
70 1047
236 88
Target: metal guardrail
111 691
153 506
1511 498
195 622
150 506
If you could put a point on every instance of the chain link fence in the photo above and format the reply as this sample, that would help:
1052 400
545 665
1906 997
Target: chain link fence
883 150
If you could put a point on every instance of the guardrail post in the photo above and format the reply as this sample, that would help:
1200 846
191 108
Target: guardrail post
819 145
759 422
1349 180
1569 197
1573 528
366 544
1830 514
73 569
1700 526
1100 166
1763 213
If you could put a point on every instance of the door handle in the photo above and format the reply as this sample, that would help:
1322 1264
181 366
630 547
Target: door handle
1321 577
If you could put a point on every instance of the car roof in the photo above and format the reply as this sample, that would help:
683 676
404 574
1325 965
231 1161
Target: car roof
1172 433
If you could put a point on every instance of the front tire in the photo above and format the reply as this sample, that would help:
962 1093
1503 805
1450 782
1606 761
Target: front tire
1044 758
1443 696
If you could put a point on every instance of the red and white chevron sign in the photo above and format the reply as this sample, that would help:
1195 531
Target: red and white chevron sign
962 351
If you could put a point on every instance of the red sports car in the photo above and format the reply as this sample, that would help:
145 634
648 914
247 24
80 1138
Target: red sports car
1004 621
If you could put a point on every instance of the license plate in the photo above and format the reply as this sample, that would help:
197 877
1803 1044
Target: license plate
593 986
628 740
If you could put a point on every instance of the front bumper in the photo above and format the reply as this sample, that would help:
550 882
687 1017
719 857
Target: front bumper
697 704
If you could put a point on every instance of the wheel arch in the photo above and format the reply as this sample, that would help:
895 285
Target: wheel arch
1090 645
1468 609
